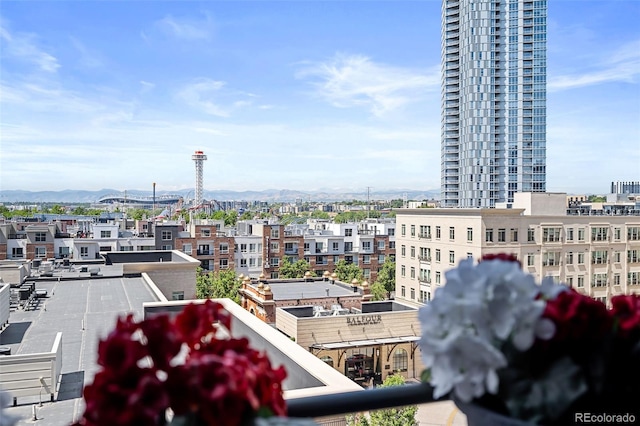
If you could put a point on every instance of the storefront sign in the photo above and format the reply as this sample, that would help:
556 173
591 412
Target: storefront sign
364 320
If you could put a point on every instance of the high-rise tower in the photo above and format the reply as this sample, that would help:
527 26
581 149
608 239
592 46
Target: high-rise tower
199 159
493 100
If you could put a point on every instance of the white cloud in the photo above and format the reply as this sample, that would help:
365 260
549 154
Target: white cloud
88 58
623 65
24 46
355 80
187 29
211 97
146 86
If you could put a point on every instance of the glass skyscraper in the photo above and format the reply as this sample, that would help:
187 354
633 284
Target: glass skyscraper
494 110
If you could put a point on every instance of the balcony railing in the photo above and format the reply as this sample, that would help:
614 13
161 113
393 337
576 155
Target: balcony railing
359 401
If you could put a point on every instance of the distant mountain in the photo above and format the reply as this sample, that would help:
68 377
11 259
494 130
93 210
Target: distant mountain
270 195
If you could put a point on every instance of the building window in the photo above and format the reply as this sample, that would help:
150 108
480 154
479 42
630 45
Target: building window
366 273
633 278
327 360
469 234
403 230
452 233
502 235
633 233
551 235
580 281
403 271
581 234
335 246
243 263
569 234
275 246
569 281
413 272
348 232
41 237
177 295
366 259
381 245
599 257
403 250
599 233
580 258
452 257
366 245
252 247
84 251
187 248
413 252
224 263
205 232
400 360
41 252
616 279
243 248
437 277
488 235
570 258
105 234
437 255
253 263
275 232
413 294
633 256
617 234
531 235
392 232
413 230
403 291
392 245
18 252
438 233
531 258
551 258
224 248
617 257
166 235
514 235
167 247
381 258
599 280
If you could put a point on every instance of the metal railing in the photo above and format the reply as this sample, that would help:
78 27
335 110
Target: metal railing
358 401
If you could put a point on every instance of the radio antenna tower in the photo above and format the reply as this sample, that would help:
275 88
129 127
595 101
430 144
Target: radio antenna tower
199 159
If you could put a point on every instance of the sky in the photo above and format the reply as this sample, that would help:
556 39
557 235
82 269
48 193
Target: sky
306 95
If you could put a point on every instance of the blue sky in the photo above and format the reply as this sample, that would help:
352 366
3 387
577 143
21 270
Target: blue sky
289 94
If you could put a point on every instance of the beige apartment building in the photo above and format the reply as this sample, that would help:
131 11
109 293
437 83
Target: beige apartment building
597 255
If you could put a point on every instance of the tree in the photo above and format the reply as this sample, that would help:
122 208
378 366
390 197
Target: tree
216 285
346 272
319 214
378 291
387 276
400 416
293 270
57 209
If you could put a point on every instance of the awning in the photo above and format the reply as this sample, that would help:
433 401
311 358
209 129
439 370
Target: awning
370 342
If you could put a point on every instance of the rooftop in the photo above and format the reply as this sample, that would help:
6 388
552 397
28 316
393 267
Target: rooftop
300 289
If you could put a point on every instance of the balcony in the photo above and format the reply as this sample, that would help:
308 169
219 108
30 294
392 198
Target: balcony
204 252
426 259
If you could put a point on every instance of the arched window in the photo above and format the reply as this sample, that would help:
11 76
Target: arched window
328 360
400 360
252 312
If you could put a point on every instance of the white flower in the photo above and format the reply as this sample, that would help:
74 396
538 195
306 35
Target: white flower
469 319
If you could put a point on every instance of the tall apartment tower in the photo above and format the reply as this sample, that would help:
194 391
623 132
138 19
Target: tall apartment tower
493 100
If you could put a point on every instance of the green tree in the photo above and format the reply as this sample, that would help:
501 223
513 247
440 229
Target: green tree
231 218
57 209
216 285
293 270
346 272
378 291
248 215
387 276
319 214
137 214
596 199
399 416
80 211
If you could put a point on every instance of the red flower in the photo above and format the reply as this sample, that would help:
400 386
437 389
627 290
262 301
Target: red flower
221 378
626 312
577 317
501 256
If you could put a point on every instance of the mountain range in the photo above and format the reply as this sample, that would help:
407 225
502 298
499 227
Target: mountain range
270 195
